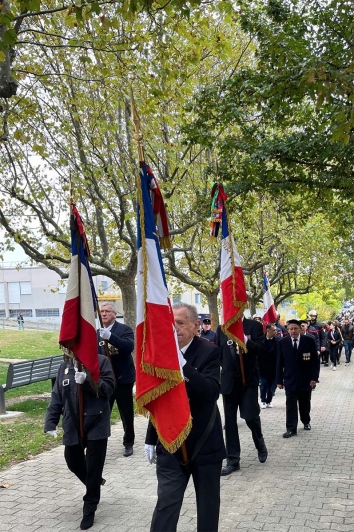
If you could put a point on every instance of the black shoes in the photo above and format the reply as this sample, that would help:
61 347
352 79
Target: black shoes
263 455
289 434
229 469
87 521
128 451
307 426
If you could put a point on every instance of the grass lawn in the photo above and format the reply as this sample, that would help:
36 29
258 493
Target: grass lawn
26 345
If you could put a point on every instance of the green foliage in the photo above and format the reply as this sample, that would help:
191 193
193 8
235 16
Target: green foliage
327 302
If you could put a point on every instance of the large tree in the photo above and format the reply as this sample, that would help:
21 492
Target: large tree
286 119
71 119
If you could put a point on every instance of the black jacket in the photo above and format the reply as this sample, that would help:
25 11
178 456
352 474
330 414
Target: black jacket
296 371
97 412
315 328
201 373
231 369
267 363
122 346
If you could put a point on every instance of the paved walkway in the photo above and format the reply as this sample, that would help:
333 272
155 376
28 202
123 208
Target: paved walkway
305 485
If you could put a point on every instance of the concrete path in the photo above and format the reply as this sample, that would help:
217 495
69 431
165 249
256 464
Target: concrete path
307 483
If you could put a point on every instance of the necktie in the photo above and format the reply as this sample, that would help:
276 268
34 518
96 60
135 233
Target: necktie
295 345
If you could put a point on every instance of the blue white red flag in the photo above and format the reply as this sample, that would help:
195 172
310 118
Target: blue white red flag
78 326
270 314
160 388
232 282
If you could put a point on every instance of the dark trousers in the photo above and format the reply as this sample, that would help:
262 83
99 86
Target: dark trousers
172 483
88 469
123 395
247 401
333 352
292 399
325 356
267 389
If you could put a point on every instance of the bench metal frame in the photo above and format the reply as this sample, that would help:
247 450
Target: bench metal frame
28 372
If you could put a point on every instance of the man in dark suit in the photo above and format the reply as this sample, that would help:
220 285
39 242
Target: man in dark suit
120 340
297 370
200 363
238 395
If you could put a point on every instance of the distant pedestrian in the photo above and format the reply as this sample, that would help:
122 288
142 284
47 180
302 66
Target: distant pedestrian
333 339
20 321
297 370
207 333
347 331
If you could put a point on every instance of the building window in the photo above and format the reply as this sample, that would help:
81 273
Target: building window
25 288
177 298
197 299
2 314
14 292
47 312
104 286
26 312
2 293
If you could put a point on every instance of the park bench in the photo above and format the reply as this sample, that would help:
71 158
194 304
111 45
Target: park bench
28 372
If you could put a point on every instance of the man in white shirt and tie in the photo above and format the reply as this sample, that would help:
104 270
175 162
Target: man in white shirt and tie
297 371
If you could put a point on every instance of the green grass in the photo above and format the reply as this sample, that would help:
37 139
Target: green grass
26 345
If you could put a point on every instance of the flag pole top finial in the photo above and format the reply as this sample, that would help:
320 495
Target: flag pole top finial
137 133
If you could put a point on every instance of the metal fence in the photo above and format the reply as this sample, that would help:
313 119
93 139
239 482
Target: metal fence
40 325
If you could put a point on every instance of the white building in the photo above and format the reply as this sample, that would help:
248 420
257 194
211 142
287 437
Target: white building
39 293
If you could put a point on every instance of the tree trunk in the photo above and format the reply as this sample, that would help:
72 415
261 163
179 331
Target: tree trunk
8 85
127 288
252 305
212 298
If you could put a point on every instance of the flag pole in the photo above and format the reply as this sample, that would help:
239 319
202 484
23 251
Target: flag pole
79 365
139 137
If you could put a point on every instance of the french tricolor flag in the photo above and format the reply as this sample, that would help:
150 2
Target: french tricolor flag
270 314
232 289
78 327
160 388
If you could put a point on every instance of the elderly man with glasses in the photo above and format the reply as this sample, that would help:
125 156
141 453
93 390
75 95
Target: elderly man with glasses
120 340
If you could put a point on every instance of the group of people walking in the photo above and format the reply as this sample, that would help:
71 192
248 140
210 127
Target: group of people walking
279 357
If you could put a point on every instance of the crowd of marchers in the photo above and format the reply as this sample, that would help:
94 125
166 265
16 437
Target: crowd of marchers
246 372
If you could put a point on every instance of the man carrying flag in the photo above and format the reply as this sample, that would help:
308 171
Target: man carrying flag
85 381
240 341
200 363
177 381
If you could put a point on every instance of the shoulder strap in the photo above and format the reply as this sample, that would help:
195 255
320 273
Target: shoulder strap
205 434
